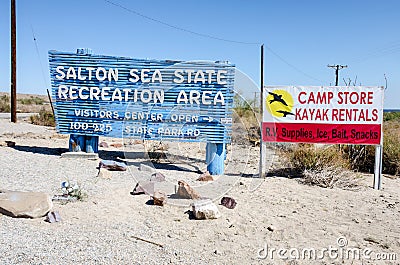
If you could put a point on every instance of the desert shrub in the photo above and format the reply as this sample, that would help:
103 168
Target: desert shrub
5 103
391 149
245 114
31 101
322 166
44 118
156 150
310 157
389 116
360 157
330 177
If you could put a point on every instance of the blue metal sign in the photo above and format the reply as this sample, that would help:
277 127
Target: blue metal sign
98 95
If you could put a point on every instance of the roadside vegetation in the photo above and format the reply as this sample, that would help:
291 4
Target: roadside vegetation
44 118
246 117
32 100
5 103
25 103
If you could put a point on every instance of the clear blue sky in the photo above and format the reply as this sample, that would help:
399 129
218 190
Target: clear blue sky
301 37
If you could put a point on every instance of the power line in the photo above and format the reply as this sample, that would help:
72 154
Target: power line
292 66
210 36
179 28
388 49
38 54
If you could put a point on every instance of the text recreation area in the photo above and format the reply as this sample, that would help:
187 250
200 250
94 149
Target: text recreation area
111 96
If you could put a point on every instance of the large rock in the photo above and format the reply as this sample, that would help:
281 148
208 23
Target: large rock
25 204
186 192
112 165
143 187
205 209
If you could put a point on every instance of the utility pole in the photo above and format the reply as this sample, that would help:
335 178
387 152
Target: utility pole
337 68
13 64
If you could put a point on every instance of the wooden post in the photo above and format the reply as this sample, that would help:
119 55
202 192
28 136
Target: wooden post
215 157
13 63
263 146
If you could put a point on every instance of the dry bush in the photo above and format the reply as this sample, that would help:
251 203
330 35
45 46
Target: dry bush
44 118
5 103
310 157
362 157
391 149
247 119
32 100
322 166
330 177
156 150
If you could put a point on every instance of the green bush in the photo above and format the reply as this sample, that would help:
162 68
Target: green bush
391 150
31 101
389 116
44 118
5 103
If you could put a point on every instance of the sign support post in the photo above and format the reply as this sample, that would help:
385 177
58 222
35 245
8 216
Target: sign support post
378 168
85 143
262 144
215 157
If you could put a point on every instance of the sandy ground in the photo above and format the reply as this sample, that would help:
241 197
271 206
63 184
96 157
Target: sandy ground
276 219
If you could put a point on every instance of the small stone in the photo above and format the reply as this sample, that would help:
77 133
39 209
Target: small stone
112 165
103 144
157 177
270 228
228 202
104 174
205 177
185 191
25 204
205 209
53 217
159 198
10 143
143 187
